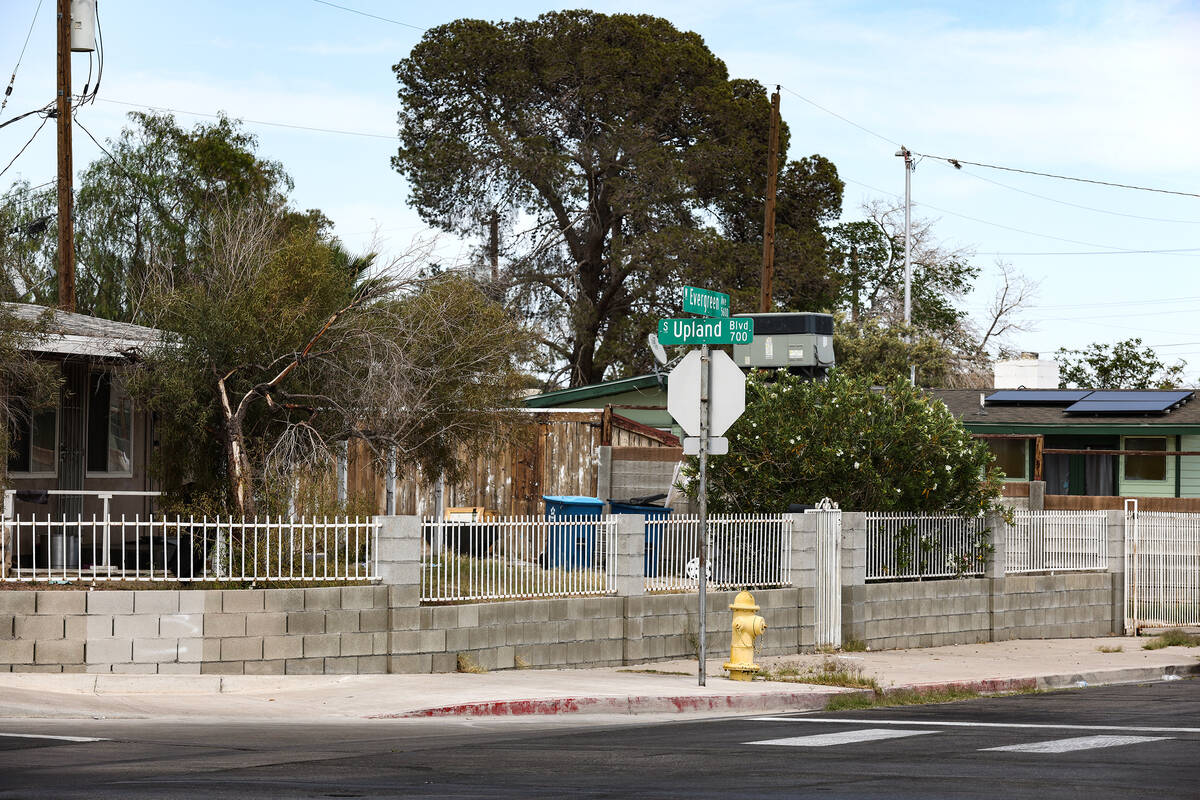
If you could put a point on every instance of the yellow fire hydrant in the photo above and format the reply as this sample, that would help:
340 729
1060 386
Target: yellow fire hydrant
747 626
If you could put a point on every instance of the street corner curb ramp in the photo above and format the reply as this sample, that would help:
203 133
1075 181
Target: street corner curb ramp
632 704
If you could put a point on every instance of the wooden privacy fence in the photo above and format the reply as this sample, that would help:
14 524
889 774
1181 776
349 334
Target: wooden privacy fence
554 452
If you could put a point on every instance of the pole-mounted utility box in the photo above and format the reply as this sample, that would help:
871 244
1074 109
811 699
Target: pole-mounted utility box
83 26
802 342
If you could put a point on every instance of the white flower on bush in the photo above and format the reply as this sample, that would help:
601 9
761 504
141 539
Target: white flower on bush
856 465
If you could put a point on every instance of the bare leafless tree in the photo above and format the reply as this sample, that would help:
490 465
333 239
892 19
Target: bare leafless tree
304 352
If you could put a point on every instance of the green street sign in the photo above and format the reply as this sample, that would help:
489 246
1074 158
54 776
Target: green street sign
725 330
702 301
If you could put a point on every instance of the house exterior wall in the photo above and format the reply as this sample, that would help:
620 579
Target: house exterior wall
1163 488
1189 467
138 480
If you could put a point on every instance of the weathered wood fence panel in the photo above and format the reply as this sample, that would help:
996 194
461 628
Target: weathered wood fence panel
556 452
1073 502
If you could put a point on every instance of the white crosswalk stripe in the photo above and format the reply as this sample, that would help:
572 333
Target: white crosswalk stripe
59 738
845 737
1076 743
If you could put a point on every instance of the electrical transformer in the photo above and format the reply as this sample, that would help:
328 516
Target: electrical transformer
802 343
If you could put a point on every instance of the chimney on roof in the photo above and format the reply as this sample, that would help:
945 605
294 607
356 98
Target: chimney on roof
1026 372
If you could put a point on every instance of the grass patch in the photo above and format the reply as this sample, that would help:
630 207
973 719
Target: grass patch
898 697
1107 649
655 672
1172 638
467 664
520 663
827 673
854 646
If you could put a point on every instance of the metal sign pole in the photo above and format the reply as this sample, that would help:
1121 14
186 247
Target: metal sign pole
702 544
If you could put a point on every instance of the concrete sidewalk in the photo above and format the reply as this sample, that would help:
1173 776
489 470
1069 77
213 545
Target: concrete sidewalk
652 688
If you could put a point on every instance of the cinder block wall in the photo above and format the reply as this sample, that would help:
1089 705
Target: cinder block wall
1056 606
576 632
917 614
371 629
352 630
241 631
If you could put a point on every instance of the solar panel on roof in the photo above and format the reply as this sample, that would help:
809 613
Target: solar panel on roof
1044 397
1130 407
1135 402
1140 396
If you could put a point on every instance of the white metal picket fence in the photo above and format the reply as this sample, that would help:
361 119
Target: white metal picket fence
745 551
162 549
1162 568
903 545
1056 541
517 557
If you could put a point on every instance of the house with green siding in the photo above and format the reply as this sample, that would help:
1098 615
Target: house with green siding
1128 443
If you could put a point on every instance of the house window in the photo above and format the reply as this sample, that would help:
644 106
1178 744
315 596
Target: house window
110 426
33 443
1146 468
1012 457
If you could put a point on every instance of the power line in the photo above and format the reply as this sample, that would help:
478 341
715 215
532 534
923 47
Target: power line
1077 205
862 128
11 192
958 161
1128 251
372 16
22 150
20 58
135 179
1086 252
1110 304
252 121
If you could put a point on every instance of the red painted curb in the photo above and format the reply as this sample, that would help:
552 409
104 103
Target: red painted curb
648 704
637 704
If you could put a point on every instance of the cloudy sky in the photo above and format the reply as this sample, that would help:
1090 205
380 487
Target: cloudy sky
1099 90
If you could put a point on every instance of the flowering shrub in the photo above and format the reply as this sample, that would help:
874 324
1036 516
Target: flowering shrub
890 448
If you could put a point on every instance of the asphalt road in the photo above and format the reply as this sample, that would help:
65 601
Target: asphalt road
1109 742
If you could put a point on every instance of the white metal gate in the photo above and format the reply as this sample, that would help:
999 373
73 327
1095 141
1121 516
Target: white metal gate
1162 568
827 605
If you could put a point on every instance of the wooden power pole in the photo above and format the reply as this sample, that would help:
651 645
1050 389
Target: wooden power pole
66 187
768 268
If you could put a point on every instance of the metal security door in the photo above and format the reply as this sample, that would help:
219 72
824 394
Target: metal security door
1162 568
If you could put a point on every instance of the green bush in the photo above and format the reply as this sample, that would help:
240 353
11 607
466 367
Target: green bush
869 448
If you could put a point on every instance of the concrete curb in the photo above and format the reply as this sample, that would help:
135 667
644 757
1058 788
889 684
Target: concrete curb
784 701
634 704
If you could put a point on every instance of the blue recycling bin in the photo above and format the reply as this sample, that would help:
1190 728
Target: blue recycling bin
569 544
654 533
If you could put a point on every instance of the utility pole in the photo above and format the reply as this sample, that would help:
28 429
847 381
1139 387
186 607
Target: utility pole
909 166
768 268
66 183
494 244
702 544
